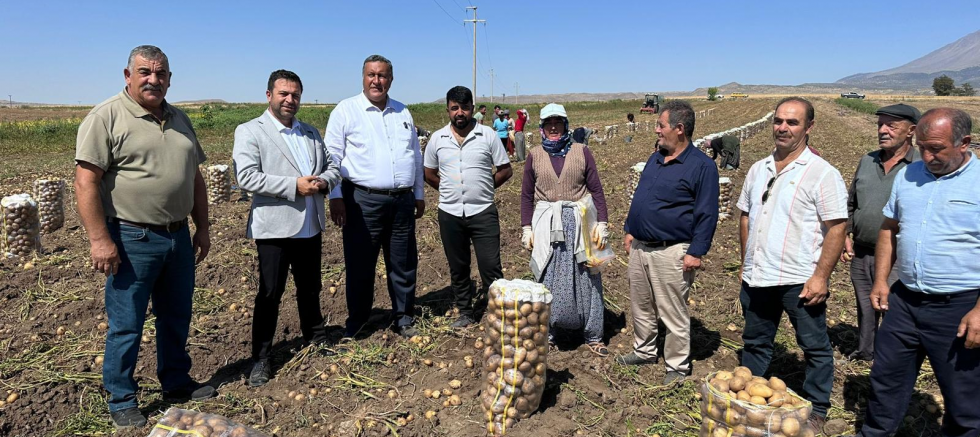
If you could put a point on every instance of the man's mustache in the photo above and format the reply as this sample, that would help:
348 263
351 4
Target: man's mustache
151 87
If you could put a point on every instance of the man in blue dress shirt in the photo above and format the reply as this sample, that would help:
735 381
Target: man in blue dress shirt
668 230
931 235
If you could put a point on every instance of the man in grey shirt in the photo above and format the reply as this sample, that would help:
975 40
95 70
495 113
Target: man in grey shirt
459 162
867 196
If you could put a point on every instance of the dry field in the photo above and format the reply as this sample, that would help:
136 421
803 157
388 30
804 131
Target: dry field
377 388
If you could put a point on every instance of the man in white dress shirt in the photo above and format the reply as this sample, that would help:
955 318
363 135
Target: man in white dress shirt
372 138
284 163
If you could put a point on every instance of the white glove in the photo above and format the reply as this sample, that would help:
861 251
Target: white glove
600 235
527 238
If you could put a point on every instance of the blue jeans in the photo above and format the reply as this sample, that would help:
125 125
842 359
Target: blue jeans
763 308
157 265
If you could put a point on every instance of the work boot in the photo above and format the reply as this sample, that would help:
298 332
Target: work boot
128 418
462 322
407 331
674 376
632 359
261 373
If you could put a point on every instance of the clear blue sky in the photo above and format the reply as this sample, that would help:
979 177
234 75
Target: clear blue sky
75 51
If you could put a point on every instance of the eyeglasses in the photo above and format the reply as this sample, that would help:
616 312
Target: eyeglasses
765 194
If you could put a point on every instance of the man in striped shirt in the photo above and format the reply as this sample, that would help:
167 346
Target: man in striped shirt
794 209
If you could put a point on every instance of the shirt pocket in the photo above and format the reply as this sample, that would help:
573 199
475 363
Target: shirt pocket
962 215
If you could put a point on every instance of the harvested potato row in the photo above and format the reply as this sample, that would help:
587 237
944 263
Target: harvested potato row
737 403
726 190
516 352
634 178
21 226
178 422
219 183
50 195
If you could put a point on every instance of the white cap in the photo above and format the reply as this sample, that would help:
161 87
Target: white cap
553 110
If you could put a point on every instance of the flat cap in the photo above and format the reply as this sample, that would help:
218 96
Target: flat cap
902 111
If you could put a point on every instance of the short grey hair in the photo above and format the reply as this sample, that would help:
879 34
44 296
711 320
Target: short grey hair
960 123
680 112
147 52
378 58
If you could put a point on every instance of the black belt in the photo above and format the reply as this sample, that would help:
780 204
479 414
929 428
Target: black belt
666 243
386 192
169 227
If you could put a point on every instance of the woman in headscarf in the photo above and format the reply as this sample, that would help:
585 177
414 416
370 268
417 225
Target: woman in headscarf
561 183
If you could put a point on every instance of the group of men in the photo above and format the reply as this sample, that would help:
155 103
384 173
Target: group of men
510 131
915 226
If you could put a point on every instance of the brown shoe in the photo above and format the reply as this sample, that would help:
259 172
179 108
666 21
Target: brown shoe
816 423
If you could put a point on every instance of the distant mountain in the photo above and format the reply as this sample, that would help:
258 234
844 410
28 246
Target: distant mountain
959 60
199 102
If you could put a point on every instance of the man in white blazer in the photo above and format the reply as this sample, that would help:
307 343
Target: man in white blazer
283 163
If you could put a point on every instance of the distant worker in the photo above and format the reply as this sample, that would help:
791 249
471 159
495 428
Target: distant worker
519 143
581 135
502 127
478 116
136 181
791 230
729 148
866 197
629 117
931 235
459 163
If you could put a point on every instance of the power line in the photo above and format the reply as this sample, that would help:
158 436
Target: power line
444 11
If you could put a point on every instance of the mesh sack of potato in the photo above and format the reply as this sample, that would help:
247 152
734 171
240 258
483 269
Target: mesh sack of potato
515 358
726 190
634 178
50 195
219 183
21 226
177 422
740 404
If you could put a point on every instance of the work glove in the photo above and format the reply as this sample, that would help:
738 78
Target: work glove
600 235
527 238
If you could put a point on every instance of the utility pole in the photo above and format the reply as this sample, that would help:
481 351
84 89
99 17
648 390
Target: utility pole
491 85
517 93
10 99
474 21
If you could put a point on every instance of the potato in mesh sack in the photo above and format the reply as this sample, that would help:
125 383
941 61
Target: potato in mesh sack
738 404
50 195
177 422
21 226
515 358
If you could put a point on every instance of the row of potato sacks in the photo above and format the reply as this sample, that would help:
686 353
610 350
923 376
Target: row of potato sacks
516 352
26 217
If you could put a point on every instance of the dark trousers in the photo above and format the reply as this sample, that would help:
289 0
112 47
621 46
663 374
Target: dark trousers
483 229
916 326
763 308
863 278
276 256
379 222
155 266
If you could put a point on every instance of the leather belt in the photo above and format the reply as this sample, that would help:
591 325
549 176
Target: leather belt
170 227
386 192
666 243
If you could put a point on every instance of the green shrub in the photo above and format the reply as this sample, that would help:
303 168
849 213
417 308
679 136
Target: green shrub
858 105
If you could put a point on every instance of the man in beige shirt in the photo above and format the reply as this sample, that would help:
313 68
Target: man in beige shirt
137 180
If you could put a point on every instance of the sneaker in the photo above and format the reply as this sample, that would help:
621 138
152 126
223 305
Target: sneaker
194 391
674 376
462 322
128 418
632 359
816 423
261 373
407 331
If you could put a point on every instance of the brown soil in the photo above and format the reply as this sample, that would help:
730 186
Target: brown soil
60 390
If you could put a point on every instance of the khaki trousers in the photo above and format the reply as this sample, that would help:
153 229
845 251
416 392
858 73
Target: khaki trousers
659 289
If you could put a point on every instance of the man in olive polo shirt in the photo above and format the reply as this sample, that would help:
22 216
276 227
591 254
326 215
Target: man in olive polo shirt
137 180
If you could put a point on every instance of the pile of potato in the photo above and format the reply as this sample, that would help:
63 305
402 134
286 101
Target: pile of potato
634 180
738 404
516 328
726 189
178 422
21 226
219 183
50 195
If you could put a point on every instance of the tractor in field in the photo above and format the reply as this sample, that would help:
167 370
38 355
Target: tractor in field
651 104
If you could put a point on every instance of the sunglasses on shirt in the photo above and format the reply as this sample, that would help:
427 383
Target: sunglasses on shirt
765 194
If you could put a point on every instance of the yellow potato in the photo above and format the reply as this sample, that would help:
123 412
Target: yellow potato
759 390
791 427
743 371
758 400
724 375
744 396
777 399
737 383
777 384
720 385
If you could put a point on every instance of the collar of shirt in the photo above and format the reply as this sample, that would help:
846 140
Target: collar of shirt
679 158
911 156
139 111
452 135
368 106
281 127
800 161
